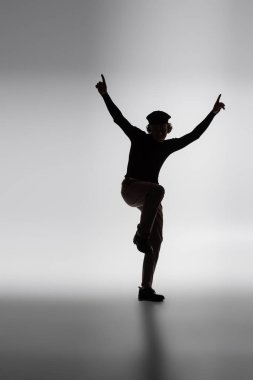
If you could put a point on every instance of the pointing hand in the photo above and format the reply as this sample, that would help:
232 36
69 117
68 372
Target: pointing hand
218 105
101 86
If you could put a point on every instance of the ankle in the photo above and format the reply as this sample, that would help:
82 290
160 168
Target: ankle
146 288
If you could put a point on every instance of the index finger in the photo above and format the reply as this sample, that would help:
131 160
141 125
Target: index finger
218 99
103 78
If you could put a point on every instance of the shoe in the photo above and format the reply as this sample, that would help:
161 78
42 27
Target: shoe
142 243
148 294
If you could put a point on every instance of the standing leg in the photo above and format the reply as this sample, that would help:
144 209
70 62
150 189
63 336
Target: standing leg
150 260
156 237
150 208
147 197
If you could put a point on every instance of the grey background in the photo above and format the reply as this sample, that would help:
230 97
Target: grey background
63 159
69 271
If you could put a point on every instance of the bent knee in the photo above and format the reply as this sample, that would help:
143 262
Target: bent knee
160 190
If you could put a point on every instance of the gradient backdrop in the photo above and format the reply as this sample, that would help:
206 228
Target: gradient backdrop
64 226
69 270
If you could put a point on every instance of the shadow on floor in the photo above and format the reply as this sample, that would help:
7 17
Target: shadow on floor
189 337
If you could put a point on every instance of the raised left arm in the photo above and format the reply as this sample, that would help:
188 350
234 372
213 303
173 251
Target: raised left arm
187 139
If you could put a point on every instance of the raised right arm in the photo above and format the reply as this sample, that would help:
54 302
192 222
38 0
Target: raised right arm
114 111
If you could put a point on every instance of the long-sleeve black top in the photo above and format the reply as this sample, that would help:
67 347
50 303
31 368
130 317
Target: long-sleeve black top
146 155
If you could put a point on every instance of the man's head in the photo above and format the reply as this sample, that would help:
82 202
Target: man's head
158 125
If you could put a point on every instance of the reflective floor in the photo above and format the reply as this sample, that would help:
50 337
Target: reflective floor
188 337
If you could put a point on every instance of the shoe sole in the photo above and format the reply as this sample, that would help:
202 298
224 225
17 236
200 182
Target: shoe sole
150 300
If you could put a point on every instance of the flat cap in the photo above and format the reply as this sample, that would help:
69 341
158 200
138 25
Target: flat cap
158 117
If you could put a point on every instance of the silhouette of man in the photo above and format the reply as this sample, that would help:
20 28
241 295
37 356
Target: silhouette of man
140 187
